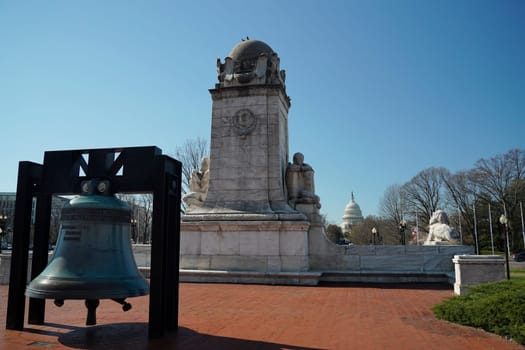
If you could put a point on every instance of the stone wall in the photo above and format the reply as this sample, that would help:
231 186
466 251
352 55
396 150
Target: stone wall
327 256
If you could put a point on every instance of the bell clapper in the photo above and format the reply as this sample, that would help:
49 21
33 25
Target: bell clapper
125 305
91 305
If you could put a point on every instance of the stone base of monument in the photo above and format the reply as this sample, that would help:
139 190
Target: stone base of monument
277 252
304 278
472 270
257 246
299 253
323 262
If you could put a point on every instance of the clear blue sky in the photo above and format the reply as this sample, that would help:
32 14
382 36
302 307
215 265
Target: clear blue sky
380 89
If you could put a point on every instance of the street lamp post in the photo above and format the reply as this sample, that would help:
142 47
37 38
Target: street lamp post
3 229
134 230
504 221
402 231
376 237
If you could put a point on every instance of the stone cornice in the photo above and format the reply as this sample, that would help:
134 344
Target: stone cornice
250 90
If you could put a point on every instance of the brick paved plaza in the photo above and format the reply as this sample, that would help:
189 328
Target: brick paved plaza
229 316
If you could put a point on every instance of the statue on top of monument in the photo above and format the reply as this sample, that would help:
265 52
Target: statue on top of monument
300 182
198 185
250 62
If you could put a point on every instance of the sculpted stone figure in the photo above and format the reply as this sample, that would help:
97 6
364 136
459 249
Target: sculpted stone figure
439 230
250 62
276 75
300 182
198 185
225 71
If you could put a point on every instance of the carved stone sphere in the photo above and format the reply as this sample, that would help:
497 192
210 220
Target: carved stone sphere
249 50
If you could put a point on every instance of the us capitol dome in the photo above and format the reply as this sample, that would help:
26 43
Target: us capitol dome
352 215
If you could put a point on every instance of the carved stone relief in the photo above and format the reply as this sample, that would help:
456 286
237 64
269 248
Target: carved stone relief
244 122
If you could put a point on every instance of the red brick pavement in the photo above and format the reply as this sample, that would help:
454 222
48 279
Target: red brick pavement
228 316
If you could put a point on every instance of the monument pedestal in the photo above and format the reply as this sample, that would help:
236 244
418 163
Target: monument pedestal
472 270
255 246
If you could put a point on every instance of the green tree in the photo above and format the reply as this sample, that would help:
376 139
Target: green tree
334 232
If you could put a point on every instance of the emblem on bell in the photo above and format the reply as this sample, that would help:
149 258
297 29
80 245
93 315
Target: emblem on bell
93 258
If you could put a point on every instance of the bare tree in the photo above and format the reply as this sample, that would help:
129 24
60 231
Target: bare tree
462 192
494 176
501 177
500 181
141 206
190 155
362 232
393 208
393 204
424 193
145 202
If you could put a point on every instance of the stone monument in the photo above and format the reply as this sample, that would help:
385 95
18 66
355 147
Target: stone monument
253 216
241 218
249 139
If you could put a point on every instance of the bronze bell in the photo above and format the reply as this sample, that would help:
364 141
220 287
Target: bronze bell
93 258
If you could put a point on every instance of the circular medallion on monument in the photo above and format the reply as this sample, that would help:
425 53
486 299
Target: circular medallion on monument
244 122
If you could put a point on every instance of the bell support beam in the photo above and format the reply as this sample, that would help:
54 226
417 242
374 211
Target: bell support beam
29 177
129 170
164 286
40 253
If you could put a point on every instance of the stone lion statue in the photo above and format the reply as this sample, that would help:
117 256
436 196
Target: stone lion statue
440 231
